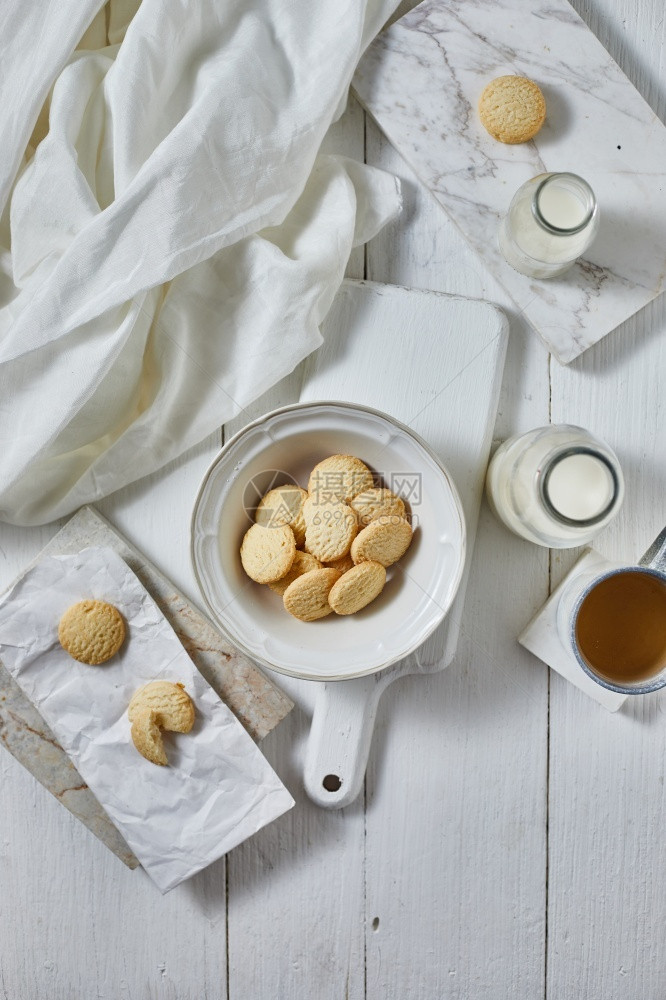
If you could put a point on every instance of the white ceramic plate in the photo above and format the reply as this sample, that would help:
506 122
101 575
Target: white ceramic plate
420 587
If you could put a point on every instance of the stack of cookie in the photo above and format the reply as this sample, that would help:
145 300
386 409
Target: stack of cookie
326 549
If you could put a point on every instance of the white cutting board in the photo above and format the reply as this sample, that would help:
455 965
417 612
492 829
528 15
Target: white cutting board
434 362
421 79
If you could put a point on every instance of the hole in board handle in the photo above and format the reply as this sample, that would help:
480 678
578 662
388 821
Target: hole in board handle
332 783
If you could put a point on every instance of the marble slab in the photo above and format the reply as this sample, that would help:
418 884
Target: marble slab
256 701
541 638
421 80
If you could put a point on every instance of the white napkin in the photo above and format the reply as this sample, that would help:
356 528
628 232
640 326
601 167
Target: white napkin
173 239
218 788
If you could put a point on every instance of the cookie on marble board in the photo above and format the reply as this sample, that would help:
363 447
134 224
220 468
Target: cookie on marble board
91 631
512 109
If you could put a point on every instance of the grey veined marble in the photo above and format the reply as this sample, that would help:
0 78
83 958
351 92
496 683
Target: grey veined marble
421 80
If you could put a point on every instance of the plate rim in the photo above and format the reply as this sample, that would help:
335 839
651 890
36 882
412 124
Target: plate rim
344 405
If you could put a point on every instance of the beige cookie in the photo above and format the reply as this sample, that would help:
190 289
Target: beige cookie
284 505
374 503
303 563
156 706
343 564
91 631
147 736
170 701
267 553
339 477
330 529
307 597
512 109
384 541
357 588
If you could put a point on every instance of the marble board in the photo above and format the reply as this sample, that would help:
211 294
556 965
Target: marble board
255 699
421 80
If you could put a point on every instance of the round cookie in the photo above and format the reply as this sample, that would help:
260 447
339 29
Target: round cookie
303 563
357 588
512 109
342 564
283 505
169 702
330 529
307 597
384 541
374 503
339 477
267 553
91 631
147 737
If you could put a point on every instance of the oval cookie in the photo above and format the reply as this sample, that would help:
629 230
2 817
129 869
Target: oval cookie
91 631
339 477
374 503
384 541
357 588
512 109
267 553
330 529
283 505
307 597
303 563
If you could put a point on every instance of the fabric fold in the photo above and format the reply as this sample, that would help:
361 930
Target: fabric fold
176 236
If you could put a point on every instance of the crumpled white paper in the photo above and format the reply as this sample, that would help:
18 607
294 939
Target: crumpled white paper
218 788
173 236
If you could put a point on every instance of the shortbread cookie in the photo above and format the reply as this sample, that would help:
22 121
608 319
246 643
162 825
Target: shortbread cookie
91 631
267 553
384 541
512 109
330 529
343 564
154 707
147 737
303 563
339 477
170 702
307 597
374 503
284 505
357 588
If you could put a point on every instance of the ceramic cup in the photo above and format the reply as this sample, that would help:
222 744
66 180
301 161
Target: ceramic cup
653 565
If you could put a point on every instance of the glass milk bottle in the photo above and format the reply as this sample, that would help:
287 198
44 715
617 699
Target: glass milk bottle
551 222
556 486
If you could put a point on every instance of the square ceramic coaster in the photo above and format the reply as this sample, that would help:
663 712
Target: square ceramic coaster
542 639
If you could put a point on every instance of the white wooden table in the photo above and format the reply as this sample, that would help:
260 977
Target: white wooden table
510 838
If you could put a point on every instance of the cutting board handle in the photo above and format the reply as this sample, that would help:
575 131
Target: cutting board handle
337 749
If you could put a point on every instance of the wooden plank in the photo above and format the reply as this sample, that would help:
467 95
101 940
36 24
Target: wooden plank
76 923
455 826
296 889
607 884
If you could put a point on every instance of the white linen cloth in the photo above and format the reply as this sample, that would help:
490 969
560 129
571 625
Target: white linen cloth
172 239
